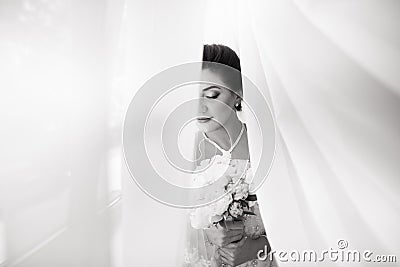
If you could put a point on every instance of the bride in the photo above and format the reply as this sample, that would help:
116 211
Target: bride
223 144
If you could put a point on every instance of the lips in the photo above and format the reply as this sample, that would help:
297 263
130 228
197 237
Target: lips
203 119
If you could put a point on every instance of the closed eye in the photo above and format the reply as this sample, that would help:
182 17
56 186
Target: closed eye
212 96
211 92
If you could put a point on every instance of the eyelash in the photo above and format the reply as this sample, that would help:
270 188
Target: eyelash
213 96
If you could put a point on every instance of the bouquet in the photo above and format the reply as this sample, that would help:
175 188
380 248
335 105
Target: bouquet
234 205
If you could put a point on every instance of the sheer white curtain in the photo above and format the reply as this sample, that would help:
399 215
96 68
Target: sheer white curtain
157 35
331 72
328 68
60 150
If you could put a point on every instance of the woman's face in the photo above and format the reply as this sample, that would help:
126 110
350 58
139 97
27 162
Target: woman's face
216 105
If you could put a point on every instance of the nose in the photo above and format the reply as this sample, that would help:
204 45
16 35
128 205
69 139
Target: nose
202 106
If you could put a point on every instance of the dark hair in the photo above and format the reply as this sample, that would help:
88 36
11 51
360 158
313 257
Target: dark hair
221 54
224 55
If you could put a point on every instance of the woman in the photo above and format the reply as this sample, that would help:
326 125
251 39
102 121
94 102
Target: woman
224 141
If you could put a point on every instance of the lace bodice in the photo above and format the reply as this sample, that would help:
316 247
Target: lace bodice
199 251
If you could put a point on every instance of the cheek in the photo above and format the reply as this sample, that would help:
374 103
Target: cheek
221 112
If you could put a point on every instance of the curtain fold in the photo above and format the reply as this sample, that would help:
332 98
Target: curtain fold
336 107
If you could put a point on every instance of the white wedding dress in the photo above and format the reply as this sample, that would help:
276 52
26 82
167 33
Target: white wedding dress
198 251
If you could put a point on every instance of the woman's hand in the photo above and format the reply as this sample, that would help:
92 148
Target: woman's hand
240 252
225 233
230 255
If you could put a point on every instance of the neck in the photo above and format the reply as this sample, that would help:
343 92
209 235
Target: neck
225 136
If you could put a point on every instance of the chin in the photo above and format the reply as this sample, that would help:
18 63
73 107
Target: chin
208 127
203 128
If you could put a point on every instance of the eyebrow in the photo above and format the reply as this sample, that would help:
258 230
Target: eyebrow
211 87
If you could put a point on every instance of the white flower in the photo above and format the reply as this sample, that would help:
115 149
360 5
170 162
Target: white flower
220 206
204 217
241 191
236 209
225 175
